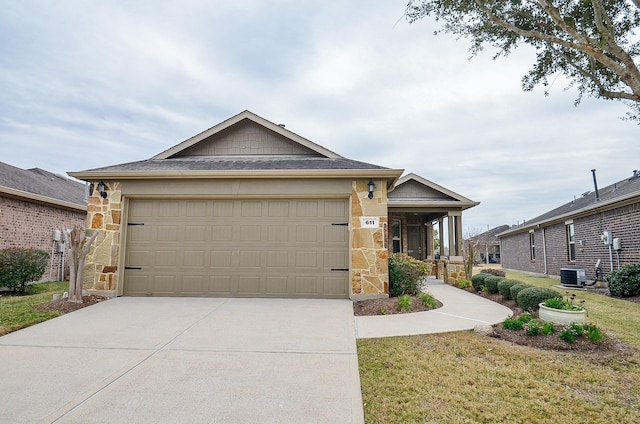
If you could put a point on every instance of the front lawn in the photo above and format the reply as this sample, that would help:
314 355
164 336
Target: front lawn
467 378
17 312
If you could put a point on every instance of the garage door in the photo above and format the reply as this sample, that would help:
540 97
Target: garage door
237 248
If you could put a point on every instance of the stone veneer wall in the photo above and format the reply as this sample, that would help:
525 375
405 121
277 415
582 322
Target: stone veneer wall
369 252
104 215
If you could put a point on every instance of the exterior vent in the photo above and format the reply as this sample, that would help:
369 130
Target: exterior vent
573 277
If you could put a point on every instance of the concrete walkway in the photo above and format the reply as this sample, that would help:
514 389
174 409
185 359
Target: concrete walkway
461 310
185 360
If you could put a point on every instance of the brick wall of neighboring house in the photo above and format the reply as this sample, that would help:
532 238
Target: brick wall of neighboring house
31 225
624 222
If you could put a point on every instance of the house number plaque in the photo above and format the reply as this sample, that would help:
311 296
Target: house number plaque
369 221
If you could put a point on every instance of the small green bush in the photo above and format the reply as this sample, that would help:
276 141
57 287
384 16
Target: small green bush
428 300
530 297
624 282
571 332
512 324
463 284
405 303
548 328
477 281
493 271
516 288
406 275
504 287
532 328
593 332
491 283
20 266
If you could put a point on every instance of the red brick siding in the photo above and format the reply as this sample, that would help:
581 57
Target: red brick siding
31 225
624 222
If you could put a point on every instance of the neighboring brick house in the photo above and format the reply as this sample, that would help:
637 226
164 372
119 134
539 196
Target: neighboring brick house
573 235
34 203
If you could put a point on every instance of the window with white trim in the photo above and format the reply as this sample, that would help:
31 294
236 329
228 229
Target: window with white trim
571 242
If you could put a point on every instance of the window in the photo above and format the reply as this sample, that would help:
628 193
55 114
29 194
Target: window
532 245
571 242
395 235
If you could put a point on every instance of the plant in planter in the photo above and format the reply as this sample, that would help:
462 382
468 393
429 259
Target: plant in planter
563 311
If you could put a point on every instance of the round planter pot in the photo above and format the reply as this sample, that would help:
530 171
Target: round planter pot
560 316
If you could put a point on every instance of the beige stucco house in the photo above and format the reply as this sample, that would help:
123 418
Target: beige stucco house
248 208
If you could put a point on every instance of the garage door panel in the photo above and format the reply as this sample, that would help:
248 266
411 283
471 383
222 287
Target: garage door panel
236 248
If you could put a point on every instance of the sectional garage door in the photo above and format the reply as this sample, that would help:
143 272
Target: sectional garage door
237 248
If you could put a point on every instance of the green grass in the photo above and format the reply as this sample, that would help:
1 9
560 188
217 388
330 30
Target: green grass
17 312
466 378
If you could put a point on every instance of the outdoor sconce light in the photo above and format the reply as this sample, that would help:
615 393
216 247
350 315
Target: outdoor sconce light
372 185
102 189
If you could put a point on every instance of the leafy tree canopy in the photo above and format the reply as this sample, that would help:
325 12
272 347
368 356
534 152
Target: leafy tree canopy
591 42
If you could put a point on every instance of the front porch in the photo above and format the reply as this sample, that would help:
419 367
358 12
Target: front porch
425 222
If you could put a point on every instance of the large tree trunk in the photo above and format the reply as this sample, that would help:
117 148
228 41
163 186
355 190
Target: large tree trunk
79 246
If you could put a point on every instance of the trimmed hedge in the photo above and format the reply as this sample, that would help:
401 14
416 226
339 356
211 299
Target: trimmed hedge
624 282
477 281
406 275
516 288
531 297
491 283
20 266
504 287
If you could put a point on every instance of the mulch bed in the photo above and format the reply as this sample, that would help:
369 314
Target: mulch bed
64 306
609 348
388 305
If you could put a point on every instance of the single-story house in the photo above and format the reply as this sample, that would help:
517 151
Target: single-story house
600 226
486 246
35 207
248 208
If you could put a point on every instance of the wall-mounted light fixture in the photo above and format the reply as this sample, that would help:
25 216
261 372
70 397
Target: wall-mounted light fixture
372 186
102 189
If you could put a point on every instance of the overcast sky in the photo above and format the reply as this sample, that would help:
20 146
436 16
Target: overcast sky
90 84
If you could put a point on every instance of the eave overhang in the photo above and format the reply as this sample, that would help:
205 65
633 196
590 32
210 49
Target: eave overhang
37 198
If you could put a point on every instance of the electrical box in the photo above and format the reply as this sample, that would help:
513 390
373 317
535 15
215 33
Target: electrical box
607 237
57 235
60 248
617 244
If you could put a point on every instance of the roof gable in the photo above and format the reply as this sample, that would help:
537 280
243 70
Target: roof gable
246 134
417 188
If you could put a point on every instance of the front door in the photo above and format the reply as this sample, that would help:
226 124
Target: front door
414 241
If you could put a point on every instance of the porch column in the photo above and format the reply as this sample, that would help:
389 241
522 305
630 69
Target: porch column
459 235
452 237
441 236
430 250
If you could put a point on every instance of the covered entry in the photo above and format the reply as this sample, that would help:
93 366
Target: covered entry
237 248
425 219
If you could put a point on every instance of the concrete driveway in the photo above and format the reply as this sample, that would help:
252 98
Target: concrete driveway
153 360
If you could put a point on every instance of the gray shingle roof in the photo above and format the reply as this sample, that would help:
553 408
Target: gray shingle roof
621 189
238 163
490 235
41 182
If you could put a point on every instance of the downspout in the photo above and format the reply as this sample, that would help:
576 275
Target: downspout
544 251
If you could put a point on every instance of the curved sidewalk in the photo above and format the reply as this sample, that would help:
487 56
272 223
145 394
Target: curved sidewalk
461 311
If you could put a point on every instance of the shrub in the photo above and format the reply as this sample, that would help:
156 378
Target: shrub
548 328
593 332
477 281
406 274
516 288
405 302
19 266
512 324
532 328
491 283
463 284
530 297
493 271
428 300
624 282
571 332
504 287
